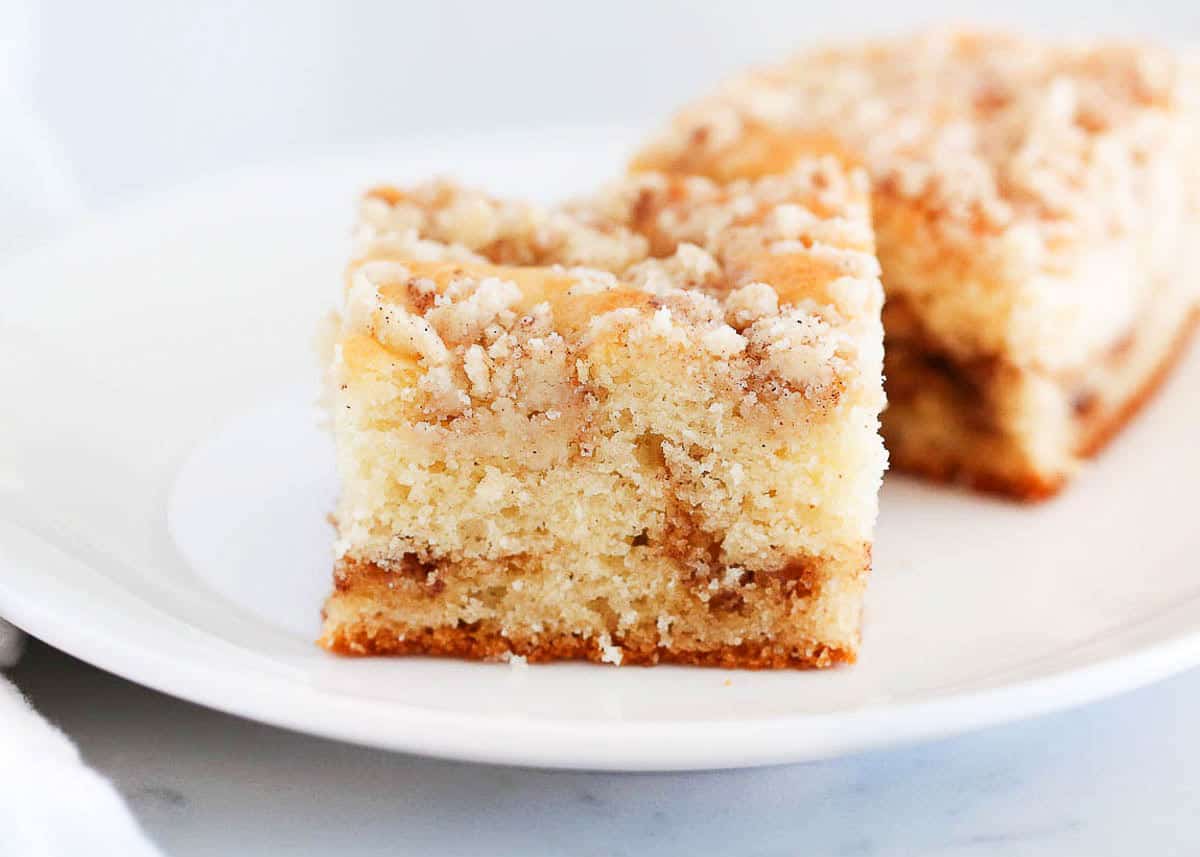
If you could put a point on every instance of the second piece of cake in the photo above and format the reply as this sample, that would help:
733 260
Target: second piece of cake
642 428
1036 215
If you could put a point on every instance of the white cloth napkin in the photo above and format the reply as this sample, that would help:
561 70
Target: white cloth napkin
51 803
11 645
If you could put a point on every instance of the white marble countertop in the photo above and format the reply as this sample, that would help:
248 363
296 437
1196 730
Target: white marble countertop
1115 778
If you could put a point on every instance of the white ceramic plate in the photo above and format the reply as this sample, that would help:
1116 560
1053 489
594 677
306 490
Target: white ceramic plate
163 492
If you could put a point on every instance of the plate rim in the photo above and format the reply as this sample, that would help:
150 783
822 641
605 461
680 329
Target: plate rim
561 743
610 745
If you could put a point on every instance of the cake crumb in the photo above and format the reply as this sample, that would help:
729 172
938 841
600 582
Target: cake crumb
609 653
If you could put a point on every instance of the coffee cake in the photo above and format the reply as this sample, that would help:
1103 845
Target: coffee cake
1035 208
639 427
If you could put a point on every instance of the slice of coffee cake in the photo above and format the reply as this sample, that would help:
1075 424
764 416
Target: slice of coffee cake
638 428
1035 209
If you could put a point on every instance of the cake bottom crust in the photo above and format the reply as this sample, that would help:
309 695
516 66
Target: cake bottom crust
376 611
480 642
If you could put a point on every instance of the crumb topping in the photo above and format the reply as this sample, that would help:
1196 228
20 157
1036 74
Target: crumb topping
751 302
501 302
986 132
442 221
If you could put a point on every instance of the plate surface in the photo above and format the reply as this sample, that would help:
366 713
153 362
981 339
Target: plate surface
163 491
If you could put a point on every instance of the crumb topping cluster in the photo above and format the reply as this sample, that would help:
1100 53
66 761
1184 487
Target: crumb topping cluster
988 132
442 221
498 300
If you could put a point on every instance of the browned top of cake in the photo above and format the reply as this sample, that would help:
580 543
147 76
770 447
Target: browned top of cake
780 266
986 131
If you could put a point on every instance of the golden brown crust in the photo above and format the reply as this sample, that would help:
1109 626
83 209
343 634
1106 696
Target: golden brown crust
480 642
395 611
